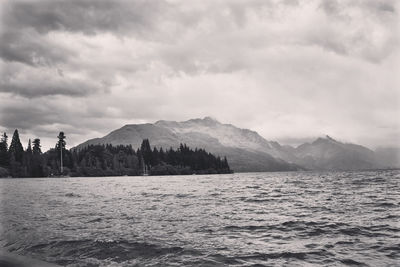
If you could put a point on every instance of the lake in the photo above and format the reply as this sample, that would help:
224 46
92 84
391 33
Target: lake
243 219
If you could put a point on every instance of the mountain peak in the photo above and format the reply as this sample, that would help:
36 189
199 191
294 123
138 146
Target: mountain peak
326 139
210 119
330 138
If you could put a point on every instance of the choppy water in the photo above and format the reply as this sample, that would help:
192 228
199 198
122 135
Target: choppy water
272 219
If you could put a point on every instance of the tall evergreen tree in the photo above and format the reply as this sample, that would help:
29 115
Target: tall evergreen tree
61 141
16 150
29 148
60 147
37 161
146 152
4 156
4 140
36 147
27 159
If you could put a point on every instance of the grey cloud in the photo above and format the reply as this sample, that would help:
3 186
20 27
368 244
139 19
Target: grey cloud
380 7
330 7
170 23
34 83
26 116
39 118
32 90
335 7
353 26
387 7
44 118
88 17
291 2
341 32
41 113
32 49
27 24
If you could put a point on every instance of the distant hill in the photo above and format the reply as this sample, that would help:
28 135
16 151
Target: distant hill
329 154
246 150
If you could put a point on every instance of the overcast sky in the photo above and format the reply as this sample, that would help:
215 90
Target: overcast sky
291 70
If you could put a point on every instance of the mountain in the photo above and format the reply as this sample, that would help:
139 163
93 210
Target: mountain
246 150
330 154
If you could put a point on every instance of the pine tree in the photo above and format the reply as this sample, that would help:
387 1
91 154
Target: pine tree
61 141
36 147
155 157
161 154
16 150
60 148
4 156
4 140
145 149
37 159
27 159
29 148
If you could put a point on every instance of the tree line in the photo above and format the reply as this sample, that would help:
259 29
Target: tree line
103 160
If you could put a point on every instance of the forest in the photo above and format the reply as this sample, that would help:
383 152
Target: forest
103 160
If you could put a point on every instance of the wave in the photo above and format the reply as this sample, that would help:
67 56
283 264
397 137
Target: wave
312 228
299 255
112 250
72 195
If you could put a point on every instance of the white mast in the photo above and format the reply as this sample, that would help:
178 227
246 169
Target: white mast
61 159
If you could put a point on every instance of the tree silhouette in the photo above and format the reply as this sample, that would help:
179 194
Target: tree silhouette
60 147
146 152
36 147
4 156
16 150
29 148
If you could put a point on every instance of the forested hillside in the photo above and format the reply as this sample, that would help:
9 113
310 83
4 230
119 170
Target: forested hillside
104 160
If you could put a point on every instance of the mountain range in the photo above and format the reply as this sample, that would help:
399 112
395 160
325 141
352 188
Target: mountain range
247 151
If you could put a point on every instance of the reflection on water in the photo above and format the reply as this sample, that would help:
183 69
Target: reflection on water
299 218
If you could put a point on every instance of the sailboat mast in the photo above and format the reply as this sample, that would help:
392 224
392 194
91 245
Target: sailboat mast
61 158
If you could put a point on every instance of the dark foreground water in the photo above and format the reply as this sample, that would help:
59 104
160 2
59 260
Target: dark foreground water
272 219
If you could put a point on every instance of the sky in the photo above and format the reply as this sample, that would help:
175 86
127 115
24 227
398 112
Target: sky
292 70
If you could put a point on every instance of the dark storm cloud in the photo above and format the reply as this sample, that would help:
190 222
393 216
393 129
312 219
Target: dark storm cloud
26 116
48 88
46 113
31 48
27 25
33 82
88 17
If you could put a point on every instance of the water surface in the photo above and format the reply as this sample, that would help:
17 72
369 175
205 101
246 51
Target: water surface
253 219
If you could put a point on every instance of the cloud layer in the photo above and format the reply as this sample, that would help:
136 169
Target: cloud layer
288 69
